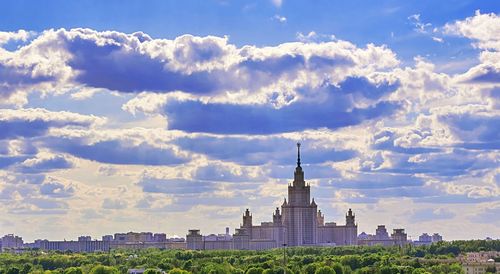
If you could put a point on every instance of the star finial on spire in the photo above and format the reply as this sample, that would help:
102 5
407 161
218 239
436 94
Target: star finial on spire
298 154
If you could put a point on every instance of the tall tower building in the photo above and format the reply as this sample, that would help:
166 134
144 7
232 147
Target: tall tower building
298 223
300 214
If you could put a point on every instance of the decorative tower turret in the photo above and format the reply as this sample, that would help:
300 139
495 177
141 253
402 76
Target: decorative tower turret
247 218
321 218
247 222
277 217
351 229
349 218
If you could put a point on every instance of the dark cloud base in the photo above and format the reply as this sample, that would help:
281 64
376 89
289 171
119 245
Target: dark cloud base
336 111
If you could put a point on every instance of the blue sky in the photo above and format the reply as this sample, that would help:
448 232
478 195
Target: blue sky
152 116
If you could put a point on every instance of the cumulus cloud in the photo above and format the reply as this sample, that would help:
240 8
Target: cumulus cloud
226 173
488 214
277 3
376 181
17 148
44 162
39 206
6 161
340 107
56 190
279 18
16 123
453 163
34 194
177 186
19 128
116 151
477 129
420 26
114 204
312 36
431 214
484 30
196 65
262 150
20 35
312 171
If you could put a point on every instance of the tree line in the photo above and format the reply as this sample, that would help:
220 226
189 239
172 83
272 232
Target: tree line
436 258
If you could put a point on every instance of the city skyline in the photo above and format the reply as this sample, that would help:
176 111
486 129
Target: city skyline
300 222
121 116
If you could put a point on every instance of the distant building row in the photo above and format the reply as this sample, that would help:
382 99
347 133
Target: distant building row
130 240
398 237
239 240
196 241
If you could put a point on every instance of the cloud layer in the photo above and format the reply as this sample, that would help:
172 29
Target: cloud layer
208 126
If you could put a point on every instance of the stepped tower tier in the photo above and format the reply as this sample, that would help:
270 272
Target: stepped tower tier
299 194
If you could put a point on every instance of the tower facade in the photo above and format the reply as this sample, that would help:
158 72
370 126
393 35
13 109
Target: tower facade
300 214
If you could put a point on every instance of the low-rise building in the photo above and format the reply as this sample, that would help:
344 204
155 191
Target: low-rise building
481 268
194 240
399 236
381 237
11 241
84 238
160 237
426 239
436 238
75 246
479 257
107 238
134 237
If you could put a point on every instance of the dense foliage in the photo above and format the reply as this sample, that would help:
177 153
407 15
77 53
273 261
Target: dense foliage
437 258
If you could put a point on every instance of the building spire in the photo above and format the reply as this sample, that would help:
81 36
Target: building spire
298 154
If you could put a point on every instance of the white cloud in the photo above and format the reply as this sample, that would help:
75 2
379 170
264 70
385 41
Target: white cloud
114 204
61 61
59 118
438 39
277 3
483 28
312 36
279 18
420 26
20 35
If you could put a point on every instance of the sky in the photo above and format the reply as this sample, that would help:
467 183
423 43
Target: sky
165 116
